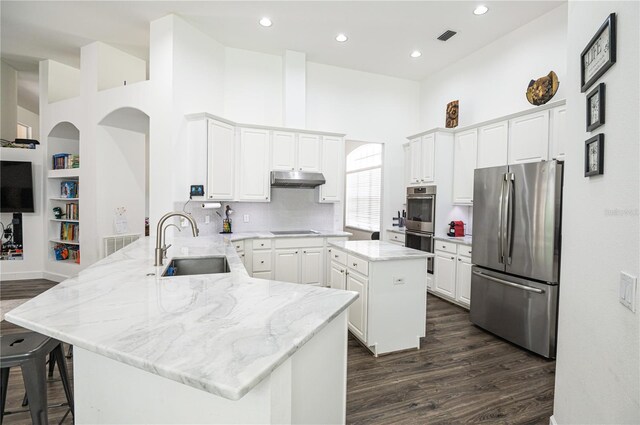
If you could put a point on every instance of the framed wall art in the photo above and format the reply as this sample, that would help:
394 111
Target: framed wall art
596 107
594 156
599 55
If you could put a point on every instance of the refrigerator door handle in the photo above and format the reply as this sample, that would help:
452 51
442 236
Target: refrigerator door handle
509 210
506 282
500 225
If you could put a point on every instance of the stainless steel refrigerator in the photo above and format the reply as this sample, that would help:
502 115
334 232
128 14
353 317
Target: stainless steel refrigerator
516 253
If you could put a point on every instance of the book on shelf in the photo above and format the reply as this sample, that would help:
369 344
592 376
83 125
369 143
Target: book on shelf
62 252
69 231
71 212
69 189
63 161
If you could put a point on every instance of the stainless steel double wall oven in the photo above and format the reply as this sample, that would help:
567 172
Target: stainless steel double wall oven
420 222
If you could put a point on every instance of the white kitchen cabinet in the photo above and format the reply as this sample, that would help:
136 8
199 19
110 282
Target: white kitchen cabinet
253 161
463 280
338 276
558 134
283 151
287 265
332 169
395 237
493 141
430 281
415 152
428 158
308 152
358 310
445 274
465 147
529 138
220 161
311 266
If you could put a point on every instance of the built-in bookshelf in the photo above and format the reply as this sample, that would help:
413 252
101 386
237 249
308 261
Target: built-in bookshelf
63 190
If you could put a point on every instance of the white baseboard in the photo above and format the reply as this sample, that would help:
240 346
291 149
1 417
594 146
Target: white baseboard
552 421
21 275
54 276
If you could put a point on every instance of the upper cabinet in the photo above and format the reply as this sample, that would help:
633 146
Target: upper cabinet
253 162
332 169
422 162
558 133
295 152
284 151
220 158
492 144
465 146
308 152
529 138
407 164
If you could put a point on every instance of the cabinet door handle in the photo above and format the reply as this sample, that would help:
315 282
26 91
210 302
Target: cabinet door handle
336 255
304 252
355 264
296 252
262 262
453 258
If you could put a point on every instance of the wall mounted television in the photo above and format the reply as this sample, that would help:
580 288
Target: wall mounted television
16 187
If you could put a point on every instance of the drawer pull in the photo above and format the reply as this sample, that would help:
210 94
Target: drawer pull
355 264
262 262
336 255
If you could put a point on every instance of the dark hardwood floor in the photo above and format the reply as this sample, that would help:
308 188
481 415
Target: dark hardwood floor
461 374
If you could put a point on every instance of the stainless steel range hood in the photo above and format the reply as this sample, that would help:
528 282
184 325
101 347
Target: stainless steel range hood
296 179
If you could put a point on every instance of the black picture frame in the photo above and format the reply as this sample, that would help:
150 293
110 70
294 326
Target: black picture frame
600 91
608 25
599 139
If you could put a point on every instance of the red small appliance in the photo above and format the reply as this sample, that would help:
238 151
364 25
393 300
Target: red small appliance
456 229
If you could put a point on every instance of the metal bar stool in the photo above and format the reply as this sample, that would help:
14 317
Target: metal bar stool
29 350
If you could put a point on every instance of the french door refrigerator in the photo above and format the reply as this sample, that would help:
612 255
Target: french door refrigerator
516 253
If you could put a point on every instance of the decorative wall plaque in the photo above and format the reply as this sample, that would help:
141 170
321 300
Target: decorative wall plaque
452 114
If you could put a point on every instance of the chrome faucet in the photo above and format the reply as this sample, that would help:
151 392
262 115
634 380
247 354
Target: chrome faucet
161 248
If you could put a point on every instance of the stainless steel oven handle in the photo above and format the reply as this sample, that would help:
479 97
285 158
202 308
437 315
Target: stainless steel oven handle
422 235
506 282
420 197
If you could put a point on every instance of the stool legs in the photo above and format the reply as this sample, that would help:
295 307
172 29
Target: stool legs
4 381
35 380
58 355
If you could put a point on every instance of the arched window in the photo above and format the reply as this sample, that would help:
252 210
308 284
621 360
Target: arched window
364 187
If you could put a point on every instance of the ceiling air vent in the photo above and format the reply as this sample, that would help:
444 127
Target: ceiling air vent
446 35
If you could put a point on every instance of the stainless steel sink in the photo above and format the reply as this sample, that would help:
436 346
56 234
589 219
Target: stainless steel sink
201 265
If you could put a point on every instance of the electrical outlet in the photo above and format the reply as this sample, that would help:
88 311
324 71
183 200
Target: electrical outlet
183 222
207 219
628 285
246 218
398 280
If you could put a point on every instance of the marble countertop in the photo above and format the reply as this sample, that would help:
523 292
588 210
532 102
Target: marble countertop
221 333
268 235
380 250
465 240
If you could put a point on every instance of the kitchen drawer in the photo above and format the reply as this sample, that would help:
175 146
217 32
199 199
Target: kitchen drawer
310 242
449 247
262 275
359 265
464 250
339 256
261 244
261 261
395 237
238 245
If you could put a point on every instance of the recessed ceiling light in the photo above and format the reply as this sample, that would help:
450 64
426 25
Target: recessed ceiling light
481 10
265 22
341 38
416 54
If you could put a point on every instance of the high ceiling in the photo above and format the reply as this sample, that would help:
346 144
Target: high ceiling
381 34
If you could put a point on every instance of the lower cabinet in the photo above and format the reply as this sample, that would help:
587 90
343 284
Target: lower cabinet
463 280
311 266
358 310
287 265
337 276
445 274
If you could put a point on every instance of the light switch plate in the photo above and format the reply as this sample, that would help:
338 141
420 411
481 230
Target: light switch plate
628 287
183 222
207 219
246 218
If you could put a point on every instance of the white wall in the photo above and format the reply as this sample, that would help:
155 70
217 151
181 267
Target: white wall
115 67
598 372
30 119
8 101
253 87
63 82
369 107
492 81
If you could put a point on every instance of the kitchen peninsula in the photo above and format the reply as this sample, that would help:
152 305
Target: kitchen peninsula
208 348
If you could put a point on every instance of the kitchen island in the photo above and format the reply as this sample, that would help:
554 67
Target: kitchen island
208 348
390 313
